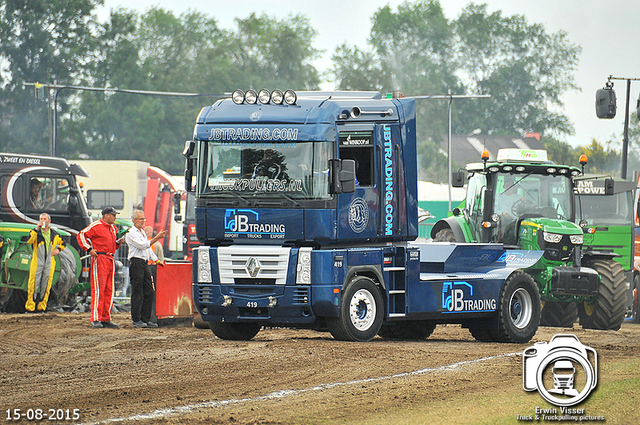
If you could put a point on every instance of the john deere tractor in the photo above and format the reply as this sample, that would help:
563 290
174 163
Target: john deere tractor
524 201
15 260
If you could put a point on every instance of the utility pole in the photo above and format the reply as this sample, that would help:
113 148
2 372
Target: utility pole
450 98
606 108
53 122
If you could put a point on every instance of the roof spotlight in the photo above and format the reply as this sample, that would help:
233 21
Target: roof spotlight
264 96
237 96
251 97
277 97
290 97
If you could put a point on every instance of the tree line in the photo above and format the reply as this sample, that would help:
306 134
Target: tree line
414 49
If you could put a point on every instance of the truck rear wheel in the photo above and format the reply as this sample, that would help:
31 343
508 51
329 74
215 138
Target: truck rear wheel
418 330
234 331
608 310
445 235
558 314
519 310
361 312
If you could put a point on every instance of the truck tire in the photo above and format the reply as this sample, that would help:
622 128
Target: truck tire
480 334
559 314
234 331
445 235
519 310
416 330
361 312
608 310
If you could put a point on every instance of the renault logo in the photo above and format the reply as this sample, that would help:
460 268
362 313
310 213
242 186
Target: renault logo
252 266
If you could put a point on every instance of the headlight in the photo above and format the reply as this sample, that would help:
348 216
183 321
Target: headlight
303 270
552 237
251 97
576 239
237 96
264 96
290 97
204 265
277 97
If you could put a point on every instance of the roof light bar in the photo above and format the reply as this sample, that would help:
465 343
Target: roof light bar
277 97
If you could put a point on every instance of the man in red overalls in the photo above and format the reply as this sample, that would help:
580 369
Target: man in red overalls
99 239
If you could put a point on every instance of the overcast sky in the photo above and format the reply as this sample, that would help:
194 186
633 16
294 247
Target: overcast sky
607 31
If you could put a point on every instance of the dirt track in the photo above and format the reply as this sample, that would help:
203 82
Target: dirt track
56 361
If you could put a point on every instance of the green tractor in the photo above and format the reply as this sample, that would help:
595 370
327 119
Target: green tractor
605 208
526 202
15 259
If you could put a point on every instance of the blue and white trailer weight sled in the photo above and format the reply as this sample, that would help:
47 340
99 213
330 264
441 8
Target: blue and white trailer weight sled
306 206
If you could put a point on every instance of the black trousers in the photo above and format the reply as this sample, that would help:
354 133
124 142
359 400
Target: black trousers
142 292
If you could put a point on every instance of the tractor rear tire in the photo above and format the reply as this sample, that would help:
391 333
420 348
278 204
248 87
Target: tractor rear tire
445 235
635 316
519 310
234 331
558 314
608 310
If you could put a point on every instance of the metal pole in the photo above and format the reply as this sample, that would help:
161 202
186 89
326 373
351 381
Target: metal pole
625 140
449 148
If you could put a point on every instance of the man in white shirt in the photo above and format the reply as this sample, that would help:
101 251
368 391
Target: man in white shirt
142 287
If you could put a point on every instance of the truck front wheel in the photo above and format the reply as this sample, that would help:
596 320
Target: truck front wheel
607 312
519 310
234 331
361 312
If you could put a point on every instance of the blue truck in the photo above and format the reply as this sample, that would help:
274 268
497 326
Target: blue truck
306 208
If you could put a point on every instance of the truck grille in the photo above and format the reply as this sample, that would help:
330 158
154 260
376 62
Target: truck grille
250 264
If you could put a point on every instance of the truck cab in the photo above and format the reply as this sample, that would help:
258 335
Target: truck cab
32 185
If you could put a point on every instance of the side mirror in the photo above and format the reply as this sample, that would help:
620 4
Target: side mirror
188 175
609 186
348 176
343 175
606 103
189 148
457 178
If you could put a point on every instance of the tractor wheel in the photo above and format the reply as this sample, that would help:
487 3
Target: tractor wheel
416 330
635 317
12 300
559 314
361 312
234 331
608 310
445 235
519 310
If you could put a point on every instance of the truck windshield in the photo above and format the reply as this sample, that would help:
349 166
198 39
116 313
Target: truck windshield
536 194
606 209
296 170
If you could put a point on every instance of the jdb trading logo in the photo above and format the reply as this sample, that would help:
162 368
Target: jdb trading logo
247 223
457 297
564 372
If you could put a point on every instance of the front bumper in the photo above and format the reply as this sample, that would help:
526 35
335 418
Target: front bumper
579 281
